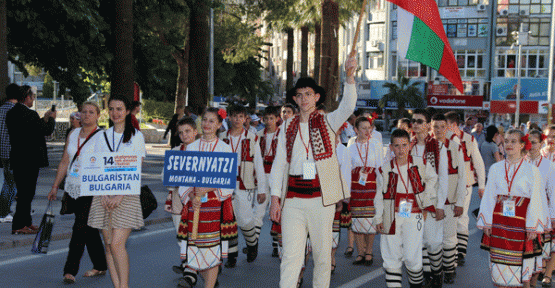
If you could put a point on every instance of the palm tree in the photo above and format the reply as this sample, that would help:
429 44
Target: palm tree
403 93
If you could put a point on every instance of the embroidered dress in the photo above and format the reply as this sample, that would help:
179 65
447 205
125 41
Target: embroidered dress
512 259
366 158
547 171
208 250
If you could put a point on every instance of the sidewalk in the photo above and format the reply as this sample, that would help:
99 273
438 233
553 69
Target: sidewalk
63 223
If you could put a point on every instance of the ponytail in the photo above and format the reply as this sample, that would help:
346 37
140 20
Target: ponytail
129 130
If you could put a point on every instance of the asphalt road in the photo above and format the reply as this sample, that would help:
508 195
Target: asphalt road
153 251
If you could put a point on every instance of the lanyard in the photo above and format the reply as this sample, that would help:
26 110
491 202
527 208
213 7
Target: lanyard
79 146
201 145
234 149
114 141
302 140
401 176
182 147
510 183
271 147
365 162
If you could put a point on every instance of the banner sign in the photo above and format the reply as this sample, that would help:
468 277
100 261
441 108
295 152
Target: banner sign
110 174
530 89
200 169
460 101
505 107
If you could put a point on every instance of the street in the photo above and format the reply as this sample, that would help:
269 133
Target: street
153 251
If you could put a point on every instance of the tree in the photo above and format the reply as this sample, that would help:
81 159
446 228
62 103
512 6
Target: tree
198 52
329 57
3 51
403 92
48 87
122 74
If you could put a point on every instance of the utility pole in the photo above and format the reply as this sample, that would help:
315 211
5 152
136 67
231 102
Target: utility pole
550 67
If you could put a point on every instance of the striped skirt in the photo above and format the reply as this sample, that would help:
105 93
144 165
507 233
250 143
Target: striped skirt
128 214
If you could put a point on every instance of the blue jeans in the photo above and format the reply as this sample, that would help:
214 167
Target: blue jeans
8 189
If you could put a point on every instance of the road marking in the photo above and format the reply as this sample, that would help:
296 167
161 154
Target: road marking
360 281
65 250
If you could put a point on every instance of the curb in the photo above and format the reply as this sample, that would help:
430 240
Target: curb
63 236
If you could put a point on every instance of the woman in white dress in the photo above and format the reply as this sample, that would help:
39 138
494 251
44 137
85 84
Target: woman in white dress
366 158
206 253
80 141
117 215
512 215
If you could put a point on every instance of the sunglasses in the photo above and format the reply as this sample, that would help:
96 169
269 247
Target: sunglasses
419 121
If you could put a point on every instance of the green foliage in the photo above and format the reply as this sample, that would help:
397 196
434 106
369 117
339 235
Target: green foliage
403 92
32 70
48 87
152 109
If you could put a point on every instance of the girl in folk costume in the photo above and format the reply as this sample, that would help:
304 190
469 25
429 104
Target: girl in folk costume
205 253
117 215
187 133
366 158
512 215
549 150
547 171
404 192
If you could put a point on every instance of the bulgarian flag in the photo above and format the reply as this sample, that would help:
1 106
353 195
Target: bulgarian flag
421 38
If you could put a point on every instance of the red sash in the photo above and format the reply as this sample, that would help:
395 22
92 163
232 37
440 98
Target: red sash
300 188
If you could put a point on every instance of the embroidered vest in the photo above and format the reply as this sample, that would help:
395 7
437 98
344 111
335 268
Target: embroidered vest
322 143
423 197
466 140
268 159
245 170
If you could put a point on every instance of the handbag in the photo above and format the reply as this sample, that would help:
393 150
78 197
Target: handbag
44 235
68 204
148 201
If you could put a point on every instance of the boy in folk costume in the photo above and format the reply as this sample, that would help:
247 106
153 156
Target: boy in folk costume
406 189
549 150
512 215
250 174
425 146
267 141
475 172
456 193
307 179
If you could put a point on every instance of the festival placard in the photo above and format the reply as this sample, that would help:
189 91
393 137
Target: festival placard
200 169
110 174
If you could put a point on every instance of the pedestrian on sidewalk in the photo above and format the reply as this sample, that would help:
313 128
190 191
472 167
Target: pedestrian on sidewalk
13 92
80 141
117 215
27 155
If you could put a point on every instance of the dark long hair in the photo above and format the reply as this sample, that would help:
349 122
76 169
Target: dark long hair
129 130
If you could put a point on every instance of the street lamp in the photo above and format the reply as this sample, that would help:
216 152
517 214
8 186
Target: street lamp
521 38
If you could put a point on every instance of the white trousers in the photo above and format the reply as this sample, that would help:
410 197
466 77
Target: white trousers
300 217
245 206
462 224
432 251
449 239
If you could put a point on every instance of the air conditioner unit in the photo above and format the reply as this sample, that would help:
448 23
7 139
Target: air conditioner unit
524 13
501 31
481 7
504 12
375 43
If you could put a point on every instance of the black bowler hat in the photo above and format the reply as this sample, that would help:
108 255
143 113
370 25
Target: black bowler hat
305 82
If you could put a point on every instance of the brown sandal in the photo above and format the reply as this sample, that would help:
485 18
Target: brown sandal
94 273
69 279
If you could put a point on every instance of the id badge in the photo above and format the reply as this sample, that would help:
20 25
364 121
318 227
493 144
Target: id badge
405 208
509 208
74 172
309 171
204 199
362 178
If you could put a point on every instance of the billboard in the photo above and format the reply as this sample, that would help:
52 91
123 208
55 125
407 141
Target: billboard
533 89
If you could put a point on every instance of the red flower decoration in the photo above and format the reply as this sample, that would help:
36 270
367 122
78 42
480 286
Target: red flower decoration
543 137
373 117
528 144
222 113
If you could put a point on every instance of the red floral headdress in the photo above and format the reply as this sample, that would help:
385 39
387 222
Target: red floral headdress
373 117
543 137
222 113
526 140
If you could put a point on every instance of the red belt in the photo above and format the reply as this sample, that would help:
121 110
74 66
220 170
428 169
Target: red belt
300 188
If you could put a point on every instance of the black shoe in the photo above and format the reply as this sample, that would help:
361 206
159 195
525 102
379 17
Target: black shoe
185 282
349 252
359 260
252 253
449 278
177 269
231 262
368 262
245 250
460 259
437 280
275 253
427 279
419 285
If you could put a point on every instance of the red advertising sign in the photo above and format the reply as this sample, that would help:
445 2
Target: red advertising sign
503 107
460 101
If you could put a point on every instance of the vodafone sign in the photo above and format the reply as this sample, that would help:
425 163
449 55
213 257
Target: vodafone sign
460 101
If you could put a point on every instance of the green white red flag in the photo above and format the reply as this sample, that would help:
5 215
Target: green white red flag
421 38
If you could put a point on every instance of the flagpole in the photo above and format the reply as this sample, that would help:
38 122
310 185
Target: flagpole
357 31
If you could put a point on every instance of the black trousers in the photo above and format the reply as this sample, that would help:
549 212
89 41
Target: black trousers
84 235
26 184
